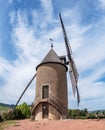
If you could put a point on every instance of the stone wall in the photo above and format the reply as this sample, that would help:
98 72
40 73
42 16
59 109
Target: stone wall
54 75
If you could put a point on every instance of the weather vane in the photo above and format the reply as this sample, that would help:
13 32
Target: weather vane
51 42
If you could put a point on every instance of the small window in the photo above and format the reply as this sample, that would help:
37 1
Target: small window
45 91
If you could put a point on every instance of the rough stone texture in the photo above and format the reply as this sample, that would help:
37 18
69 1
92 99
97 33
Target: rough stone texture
38 112
54 113
54 75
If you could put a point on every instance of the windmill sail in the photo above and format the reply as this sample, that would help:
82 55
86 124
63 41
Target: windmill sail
73 71
25 90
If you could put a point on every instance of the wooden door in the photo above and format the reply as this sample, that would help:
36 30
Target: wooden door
45 110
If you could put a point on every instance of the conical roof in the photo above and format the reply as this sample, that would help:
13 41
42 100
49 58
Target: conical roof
51 57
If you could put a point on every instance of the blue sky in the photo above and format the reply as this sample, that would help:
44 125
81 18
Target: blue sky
25 29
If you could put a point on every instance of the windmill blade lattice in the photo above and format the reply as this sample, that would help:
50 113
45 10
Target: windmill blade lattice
72 68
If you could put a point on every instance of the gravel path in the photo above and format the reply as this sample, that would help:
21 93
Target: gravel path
59 125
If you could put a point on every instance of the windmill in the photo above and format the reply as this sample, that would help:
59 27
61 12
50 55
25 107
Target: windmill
51 100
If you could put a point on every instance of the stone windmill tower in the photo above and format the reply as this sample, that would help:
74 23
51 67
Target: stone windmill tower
51 100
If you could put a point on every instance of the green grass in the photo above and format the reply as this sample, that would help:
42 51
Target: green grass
4 109
6 124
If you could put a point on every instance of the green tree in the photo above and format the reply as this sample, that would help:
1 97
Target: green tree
86 111
78 114
25 109
75 113
83 113
69 111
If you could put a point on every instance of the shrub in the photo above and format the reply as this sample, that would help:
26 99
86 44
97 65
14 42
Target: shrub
18 114
5 116
21 112
1 118
8 115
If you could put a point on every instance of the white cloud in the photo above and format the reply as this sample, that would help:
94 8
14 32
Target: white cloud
21 71
41 18
102 3
29 50
47 8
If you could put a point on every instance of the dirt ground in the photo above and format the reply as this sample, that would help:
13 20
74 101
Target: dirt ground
58 125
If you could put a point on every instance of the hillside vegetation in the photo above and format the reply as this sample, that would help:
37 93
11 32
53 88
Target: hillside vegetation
7 105
4 109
